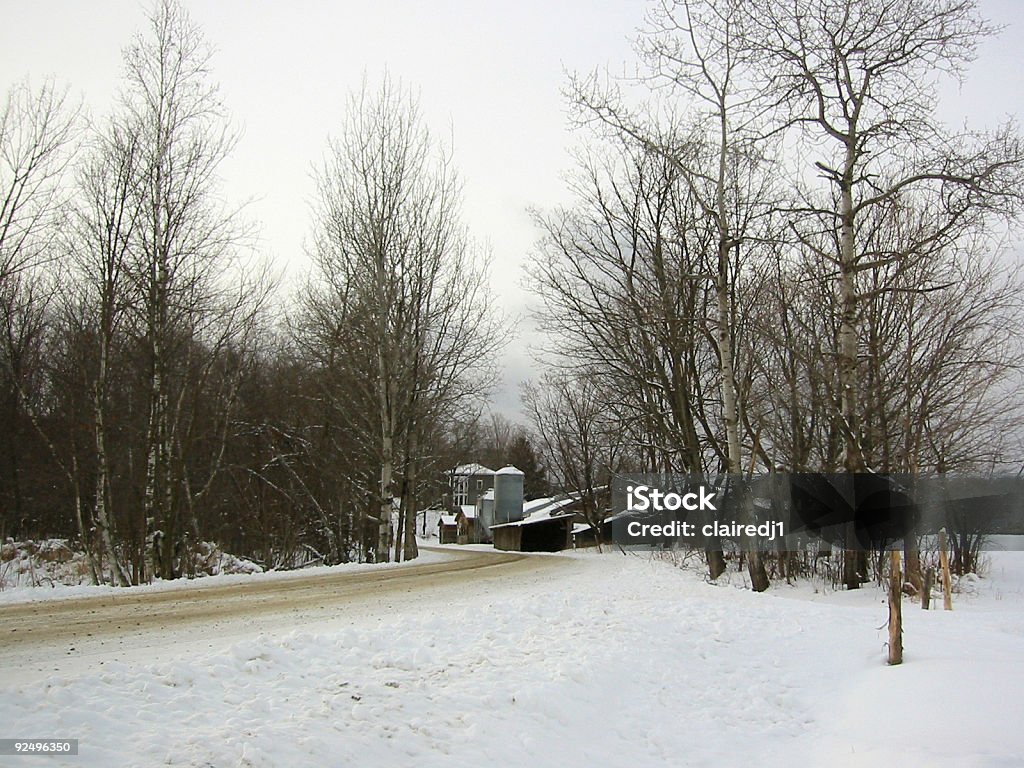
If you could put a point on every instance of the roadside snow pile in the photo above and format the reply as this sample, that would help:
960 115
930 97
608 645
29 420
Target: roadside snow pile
211 560
55 563
232 570
41 564
623 661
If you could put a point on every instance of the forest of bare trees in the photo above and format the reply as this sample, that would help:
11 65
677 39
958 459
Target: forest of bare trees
780 260
156 396
776 258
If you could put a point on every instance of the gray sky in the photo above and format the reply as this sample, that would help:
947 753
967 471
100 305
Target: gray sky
489 75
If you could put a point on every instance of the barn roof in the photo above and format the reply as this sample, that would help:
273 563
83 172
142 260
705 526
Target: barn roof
447 519
549 506
534 520
464 470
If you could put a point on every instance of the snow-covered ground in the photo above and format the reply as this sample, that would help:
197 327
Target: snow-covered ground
613 661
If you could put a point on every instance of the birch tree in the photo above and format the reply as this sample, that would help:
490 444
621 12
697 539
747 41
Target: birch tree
104 219
184 242
401 288
697 65
695 47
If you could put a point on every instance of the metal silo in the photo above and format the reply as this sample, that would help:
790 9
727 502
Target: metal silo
508 495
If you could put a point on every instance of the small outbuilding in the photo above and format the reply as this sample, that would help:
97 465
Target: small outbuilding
468 531
447 529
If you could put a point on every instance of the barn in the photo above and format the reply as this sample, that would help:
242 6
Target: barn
536 533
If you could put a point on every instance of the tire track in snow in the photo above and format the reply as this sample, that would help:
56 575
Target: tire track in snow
69 635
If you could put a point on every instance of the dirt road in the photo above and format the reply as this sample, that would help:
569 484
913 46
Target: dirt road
70 636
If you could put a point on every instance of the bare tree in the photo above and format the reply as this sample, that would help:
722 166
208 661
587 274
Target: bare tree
941 340
624 280
616 276
104 220
858 80
403 290
185 242
581 440
697 67
695 47
37 129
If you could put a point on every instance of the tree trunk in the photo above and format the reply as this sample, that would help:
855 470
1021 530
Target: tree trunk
912 563
716 559
409 509
947 577
895 609
727 375
387 462
853 459
102 517
400 531
90 559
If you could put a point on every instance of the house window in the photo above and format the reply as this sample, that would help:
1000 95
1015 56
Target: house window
460 493
479 484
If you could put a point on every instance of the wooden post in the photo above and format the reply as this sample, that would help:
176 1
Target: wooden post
926 590
895 609
947 578
912 562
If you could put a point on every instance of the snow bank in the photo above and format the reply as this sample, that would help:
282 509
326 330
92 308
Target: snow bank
44 563
40 579
626 661
54 563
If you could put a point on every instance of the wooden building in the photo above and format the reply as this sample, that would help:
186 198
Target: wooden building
466 519
447 529
540 533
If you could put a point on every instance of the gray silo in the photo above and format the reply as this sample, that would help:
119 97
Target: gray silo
508 495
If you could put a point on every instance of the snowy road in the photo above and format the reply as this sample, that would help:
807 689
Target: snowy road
66 636
575 661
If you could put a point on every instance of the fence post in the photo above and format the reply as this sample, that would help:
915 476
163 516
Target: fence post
947 578
895 609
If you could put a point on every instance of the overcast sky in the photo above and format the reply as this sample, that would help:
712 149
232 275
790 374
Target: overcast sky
489 74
